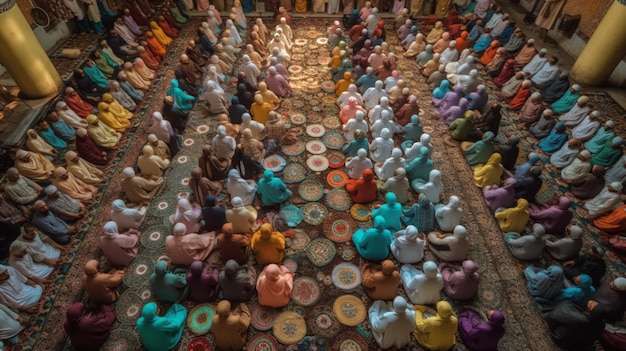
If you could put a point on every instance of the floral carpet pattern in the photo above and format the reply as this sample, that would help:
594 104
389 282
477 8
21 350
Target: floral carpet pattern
318 242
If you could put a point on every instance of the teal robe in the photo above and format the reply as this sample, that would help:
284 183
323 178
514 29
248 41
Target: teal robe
607 156
565 103
373 244
599 140
353 147
182 100
480 151
273 191
413 130
391 212
420 167
161 333
52 139
166 286
96 76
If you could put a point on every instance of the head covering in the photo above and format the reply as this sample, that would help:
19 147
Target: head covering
618 283
50 189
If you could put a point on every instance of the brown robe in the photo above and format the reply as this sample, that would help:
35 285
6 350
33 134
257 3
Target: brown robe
380 282
101 287
230 329
75 188
233 246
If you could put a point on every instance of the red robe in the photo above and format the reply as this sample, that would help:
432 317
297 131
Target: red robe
87 149
363 190
149 59
80 106
520 98
169 31
137 15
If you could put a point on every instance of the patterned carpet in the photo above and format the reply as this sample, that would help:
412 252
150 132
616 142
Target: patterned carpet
317 245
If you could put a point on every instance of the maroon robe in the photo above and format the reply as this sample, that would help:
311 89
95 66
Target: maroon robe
87 149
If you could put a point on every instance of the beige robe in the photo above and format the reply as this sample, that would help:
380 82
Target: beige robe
549 14
140 190
75 188
104 135
86 172
40 146
38 168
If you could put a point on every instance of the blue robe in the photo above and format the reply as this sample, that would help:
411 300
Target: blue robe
565 103
553 141
373 244
53 139
161 333
544 284
52 226
578 294
273 191
483 43
96 76
442 89
391 212
595 144
365 82
131 91
421 215
61 129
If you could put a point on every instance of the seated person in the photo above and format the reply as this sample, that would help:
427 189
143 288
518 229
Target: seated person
83 169
183 248
150 165
213 214
272 189
567 247
398 184
421 214
188 214
408 246
514 219
544 285
244 189
203 282
589 262
120 249
88 325
572 326
33 166
237 282
230 325
481 335
498 197
373 244
75 188
380 282
49 224
391 211
233 246
460 284
138 190
242 218
267 245
101 287
526 247
23 262
437 332
392 323
159 333
610 299
18 292
40 247
554 218
422 287
449 247
63 206
580 293
126 217
363 190
449 216
274 286
20 189
168 287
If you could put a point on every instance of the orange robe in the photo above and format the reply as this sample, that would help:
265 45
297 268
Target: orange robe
615 222
520 98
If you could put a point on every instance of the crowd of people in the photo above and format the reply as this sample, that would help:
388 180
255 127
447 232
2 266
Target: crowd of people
58 174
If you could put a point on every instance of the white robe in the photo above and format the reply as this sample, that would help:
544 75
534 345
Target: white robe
406 250
390 328
15 293
30 268
72 119
375 113
224 146
352 126
242 189
448 217
39 249
128 218
342 100
575 115
420 289
586 129
564 156
379 125
356 166
388 168
535 64
381 149
372 96
617 173
603 202
576 169
9 325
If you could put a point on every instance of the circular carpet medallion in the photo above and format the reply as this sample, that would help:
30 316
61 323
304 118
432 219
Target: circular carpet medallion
128 308
295 69
300 42
332 122
321 252
289 328
294 149
322 41
316 147
291 214
297 57
293 173
182 159
346 276
336 159
311 190
328 85
299 240
202 129
274 163
188 142
322 322
337 178
159 206
350 341
339 227
313 118
329 99
291 264
333 140
317 163
349 310
261 317
297 118
185 181
348 254
360 212
338 199
428 129
122 339
297 131
314 213
305 291
139 270
199 344
200 319
310 62
323 60
262 342
315 130
153 238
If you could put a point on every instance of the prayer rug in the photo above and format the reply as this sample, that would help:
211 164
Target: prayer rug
262 317
337 178
338 199
346 276
339 227
321 252
314 213
306 291
322 322
310 190
349 310
262 342
289 328
200 319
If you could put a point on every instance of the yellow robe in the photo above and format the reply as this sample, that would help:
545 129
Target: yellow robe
102 134
435 333
108 118
159 34
260 112
116 108
268 246
514 219
86 172
489 173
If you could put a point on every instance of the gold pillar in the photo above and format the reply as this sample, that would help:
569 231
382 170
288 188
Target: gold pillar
22 55
604 50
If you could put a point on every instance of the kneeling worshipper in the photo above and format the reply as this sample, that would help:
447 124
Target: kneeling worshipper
230 325
554 218
357 165
589 262
578 168
88 325
125 100
120 249
202 187
237 282
213 167
460 284
188 214
203 282
408 246
544 285
243 218
109 118
423 287
17 291
88 150
214 215
566 154
567 247
11 325
386 170
579 293
514 219
272 190
183 248
126 217
490 173
373 244
610 299
604 202
577 113
392 323
544 125
119 111
76 103
103 135
604 134
449 216
526 247
83 170
500 196
23 262
233 246
586 129
37 144
461 128
167 286
480 151
568 100
479 335
161 333
391 211
68 184
449 247
572 326
101 287
138 190
380 281
274 286
33 166
436 332
613 223
40 247
267 245
420 214
159 147
398 185
606 157
51 225
20 189
59 140
150 165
